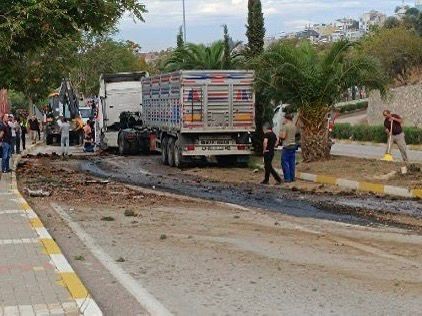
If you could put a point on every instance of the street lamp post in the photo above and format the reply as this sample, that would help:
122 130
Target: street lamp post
184 21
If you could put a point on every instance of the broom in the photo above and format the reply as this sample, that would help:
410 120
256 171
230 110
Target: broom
388 156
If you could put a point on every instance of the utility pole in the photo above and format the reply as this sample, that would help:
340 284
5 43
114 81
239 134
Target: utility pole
184 21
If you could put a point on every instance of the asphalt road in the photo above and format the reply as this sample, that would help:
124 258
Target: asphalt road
202 257
372 152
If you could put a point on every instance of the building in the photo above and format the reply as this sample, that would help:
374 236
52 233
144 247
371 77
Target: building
371 19
418 5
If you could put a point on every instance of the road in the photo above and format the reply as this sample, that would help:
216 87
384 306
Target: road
266 252
372 152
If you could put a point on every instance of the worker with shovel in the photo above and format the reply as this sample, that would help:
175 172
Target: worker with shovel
392 124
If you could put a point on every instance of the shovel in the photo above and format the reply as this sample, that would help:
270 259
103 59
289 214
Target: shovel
388 156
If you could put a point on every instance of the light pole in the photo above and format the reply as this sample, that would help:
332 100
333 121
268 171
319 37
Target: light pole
184 21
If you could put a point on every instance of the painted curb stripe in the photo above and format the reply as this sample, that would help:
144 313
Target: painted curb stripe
348 184
326 180
69 278
371 187
361 186
74 284
417 193
50 246
393 190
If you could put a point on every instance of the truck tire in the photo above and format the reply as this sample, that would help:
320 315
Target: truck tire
170 151
48 140
123 145
178 158
164 157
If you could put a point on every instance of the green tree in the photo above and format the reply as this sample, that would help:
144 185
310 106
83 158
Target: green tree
255 32
399 50
413 20
391 22
227 58
180 41
313 82
98 55
27 26
201 57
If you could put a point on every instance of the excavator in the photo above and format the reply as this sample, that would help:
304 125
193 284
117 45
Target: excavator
63 102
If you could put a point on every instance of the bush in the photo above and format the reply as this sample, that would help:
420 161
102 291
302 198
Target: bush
374 134
351 107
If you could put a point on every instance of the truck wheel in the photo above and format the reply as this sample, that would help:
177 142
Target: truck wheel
164 157
170 151
178 158
123 146
48 140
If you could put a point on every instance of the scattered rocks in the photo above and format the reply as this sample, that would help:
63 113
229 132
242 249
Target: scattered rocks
38 193
108 219
130 213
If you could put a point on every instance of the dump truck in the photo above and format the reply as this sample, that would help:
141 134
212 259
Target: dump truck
63 102
198 114
120 99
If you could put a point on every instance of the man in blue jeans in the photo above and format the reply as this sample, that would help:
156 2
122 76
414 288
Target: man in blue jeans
288 154
5 140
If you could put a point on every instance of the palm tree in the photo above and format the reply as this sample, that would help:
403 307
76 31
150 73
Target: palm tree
201 57
314 81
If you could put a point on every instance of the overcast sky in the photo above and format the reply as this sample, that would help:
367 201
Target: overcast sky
205 17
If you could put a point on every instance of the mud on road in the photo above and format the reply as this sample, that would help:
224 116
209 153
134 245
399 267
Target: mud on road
240 186
201 257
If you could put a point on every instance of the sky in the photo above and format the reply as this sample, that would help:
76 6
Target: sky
204 18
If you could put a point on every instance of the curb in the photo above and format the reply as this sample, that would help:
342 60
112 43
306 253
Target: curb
86 304
362 186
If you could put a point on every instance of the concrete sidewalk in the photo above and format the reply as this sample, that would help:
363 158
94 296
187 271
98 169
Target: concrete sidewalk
35 277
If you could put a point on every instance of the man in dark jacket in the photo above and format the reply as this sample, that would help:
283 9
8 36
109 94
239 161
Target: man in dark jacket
392 123
270 141
5 140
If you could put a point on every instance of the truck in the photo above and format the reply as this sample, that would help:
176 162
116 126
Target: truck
120 99
200 113
184 115
63 102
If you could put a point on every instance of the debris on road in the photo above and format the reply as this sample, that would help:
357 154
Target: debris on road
38 193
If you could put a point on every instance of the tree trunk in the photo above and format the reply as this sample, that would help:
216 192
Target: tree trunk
315 142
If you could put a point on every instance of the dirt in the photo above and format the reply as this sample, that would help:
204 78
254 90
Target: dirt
207 258
369 170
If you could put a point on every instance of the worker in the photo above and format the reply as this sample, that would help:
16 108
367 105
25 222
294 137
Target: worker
288 154
32 122
270 141
395 121
88 143
64 131
5 141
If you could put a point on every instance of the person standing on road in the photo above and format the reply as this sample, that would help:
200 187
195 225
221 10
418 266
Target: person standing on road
5 140
394 121
24 131
13 133
32 129
38 128
270 141
65 131
288 154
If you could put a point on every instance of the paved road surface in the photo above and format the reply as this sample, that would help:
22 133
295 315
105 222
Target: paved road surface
373 152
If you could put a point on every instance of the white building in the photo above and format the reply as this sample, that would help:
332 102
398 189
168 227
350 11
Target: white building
370 19
418 5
